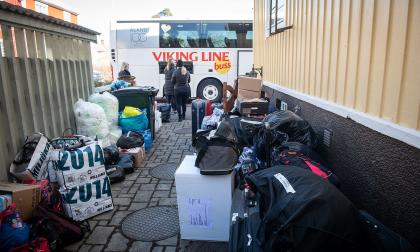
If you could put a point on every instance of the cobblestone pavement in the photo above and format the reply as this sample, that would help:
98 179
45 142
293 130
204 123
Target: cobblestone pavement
140 190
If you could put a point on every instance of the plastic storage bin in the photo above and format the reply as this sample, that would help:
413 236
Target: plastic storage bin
139 97
204 202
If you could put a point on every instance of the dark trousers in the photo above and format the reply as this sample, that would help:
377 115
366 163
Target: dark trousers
181 103
171 99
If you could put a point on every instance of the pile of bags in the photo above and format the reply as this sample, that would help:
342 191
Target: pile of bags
67 182
292 199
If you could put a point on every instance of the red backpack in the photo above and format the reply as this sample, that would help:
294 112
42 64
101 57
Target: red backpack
287 157
37 245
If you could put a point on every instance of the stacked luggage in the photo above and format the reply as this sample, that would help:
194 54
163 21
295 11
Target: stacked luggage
287 197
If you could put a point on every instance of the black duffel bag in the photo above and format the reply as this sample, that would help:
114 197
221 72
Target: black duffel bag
297 129
126 162
217 152
111 155
130 140
302 212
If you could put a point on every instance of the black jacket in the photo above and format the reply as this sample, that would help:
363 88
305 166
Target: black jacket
168 88
180 82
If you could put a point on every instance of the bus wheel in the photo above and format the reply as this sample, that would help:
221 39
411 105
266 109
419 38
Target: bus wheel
210 89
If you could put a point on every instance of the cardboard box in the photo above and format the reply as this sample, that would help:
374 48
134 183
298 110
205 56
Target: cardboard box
250 84
242 93
26 197
252 106
139 154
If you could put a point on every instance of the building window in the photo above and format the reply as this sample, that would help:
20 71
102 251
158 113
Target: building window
275 16
41 8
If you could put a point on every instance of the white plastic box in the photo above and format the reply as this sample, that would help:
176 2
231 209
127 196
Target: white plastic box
204 202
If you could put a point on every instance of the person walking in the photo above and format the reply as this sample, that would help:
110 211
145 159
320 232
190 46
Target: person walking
181 79
168 88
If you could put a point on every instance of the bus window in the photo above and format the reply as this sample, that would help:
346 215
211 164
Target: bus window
248 35
219 35
179 35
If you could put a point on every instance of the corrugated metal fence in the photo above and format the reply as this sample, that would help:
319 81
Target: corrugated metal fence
44 69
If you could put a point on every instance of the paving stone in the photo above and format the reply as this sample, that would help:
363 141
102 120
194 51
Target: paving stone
166 181
123 208
163 187
105 216
100 235
85 248
126 195
117 243
122 201
132 176
97 248
157 249
143 196
103 223
152 204
74 246
161 194
154 200
137 206
169 242
118 217
143 180
167 202
92 224
140 246
134 189
170 249
148 187
128 183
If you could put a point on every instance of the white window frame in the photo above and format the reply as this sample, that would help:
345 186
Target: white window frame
279 13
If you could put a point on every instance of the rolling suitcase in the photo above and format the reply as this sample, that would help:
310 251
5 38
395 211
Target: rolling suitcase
244 224
199 108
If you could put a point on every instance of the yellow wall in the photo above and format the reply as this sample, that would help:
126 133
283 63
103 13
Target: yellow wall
363 54
73 18
30 4
54 12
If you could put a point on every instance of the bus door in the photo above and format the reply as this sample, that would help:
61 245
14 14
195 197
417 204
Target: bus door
244 62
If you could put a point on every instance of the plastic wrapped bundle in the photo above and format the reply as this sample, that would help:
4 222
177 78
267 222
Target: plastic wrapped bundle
110 105
90 119
115 133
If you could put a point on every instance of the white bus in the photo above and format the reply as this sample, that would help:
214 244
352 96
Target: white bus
213 51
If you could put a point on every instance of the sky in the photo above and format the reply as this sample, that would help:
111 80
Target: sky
97 14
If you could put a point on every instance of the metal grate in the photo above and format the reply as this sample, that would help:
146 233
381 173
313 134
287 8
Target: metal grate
164 171
151 224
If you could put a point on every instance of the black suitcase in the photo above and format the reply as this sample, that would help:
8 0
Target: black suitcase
244 224
380 238
198 111
115 173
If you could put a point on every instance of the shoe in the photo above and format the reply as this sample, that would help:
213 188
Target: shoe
179 119
183 117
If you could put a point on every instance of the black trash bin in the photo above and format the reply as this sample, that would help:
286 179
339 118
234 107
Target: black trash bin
139 97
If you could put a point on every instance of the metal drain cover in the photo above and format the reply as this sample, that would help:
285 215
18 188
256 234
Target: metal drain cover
164 171
183 131
151 224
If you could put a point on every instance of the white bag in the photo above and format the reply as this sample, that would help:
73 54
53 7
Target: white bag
110 105
84 184
90 119
37 167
